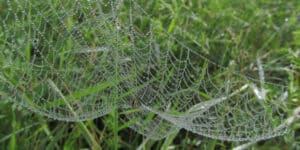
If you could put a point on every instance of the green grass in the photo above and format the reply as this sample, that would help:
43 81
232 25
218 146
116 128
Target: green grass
222 30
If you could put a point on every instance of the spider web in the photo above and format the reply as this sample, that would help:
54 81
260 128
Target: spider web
79 60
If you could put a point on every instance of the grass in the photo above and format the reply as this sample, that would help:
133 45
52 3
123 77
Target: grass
221 30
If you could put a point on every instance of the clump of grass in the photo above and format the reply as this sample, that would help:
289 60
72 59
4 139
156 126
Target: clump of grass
237 28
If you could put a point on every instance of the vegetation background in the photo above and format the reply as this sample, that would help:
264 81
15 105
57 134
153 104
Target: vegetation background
211 25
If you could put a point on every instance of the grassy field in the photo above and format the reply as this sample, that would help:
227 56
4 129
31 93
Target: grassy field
221 30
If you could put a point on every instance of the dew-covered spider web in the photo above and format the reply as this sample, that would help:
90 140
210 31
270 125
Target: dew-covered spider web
79 60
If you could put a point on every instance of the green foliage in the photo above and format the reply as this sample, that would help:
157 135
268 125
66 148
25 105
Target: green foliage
223 31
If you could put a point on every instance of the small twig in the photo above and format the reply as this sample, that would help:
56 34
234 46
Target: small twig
93 142
143 144
203 106
93 50
260 93
53 85
260 72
